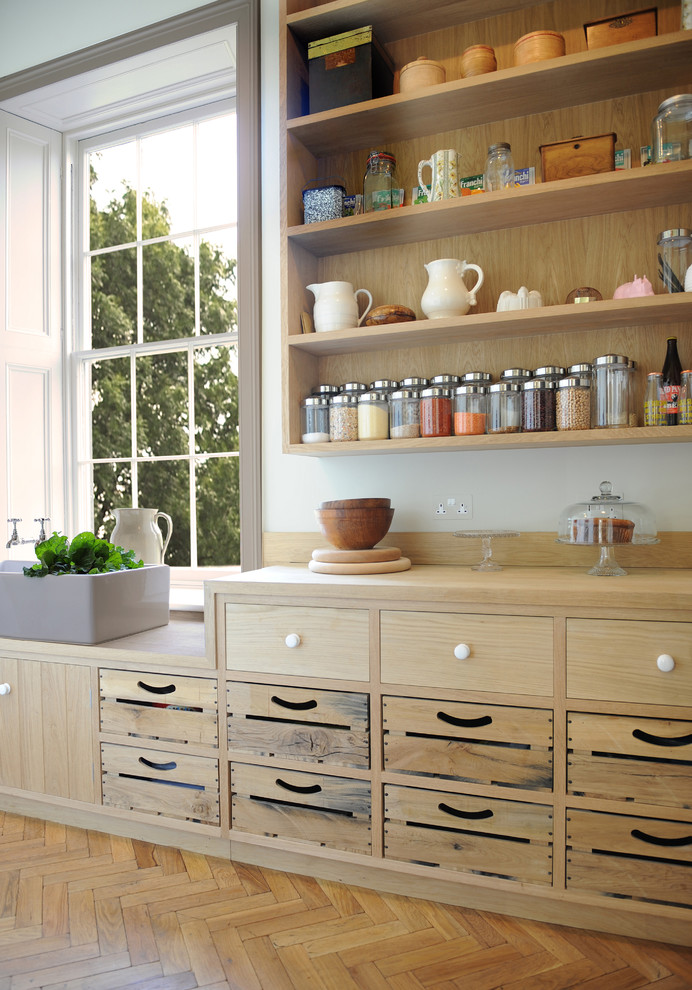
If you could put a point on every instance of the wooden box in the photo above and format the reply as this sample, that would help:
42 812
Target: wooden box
578 156
617 30
348 68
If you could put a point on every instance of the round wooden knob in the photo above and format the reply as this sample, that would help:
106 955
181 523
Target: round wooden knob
665 662
462 651
292 640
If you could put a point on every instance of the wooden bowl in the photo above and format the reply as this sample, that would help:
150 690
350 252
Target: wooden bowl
354 529
356 503
382 315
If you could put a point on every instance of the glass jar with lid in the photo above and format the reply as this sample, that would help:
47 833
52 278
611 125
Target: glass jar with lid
675 259
404 414
483 378
583 370
343 417
515 375
499 168
354 387
685 399
671 130
380 185
383 385
436 412
610 392
654 400
470 410
551 372
373 416
415 383
504 407
446 381
573 403
327 390
314 419
538 406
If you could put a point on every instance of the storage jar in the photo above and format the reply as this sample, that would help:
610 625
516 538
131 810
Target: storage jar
610 395
383 385
654 400
380 182
373 416
445 381
515 375
573 403
343 417
477 60
415 383
314 419
685 399
420 73
538 45
404 414
538 406
470 410
504 408
354 387
671 130
499 168
327 390
476 378
675 257
551 372
435 412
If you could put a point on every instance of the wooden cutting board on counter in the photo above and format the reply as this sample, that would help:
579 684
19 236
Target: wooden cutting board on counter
374 567
330 555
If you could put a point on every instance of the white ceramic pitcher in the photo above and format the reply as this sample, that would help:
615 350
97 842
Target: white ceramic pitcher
137 529
336 306
446 294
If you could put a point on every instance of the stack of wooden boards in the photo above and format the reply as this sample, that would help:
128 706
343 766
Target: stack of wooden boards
379 560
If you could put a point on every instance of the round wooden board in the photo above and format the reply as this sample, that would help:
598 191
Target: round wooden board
376 567
330 555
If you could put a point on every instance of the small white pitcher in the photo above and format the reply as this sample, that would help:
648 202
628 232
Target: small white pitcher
336 306
137 529
446 294
444 181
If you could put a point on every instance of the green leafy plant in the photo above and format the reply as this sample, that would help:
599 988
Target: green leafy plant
86 554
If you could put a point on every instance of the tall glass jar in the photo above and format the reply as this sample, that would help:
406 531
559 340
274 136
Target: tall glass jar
671 130
573 403
373 416
654 400
446 381
551 372
504 407
314 419
386 385
538 406
379 182
675 258
470 410
610 394
414 383
483 378
435 412
404 414
685 399
343 417
516 376
499 168
327 390
355 388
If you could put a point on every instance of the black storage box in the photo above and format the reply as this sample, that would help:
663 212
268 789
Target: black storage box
348 68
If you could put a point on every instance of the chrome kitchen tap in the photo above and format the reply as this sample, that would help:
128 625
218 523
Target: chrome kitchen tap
14 540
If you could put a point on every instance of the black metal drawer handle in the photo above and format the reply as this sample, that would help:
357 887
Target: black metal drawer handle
152 689
662 740
656 840
470 815
465 723
158 766
295 706
309 789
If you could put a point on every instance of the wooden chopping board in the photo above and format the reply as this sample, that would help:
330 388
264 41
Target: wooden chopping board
330 555
375 567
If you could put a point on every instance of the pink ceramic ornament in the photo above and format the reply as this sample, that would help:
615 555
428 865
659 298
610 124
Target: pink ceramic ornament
638 287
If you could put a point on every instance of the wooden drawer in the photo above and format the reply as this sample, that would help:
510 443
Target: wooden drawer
647 760
332 642
623 856
508 653
300 724
310 807
489 744
159 782
159 706
472 834
615 660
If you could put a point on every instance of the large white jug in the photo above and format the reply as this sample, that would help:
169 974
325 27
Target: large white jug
336 306
446 294
137 529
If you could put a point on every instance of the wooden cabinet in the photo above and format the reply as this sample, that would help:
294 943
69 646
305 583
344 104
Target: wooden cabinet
595 230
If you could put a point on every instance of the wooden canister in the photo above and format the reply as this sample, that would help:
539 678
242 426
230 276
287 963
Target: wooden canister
421 73
478 59
538 45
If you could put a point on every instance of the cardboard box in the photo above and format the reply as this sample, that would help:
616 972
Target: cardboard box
579 156
348 68
627 27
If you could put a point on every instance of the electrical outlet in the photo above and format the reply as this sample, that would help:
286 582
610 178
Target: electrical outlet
452 508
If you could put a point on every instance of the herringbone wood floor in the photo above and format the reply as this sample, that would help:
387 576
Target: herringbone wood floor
80 910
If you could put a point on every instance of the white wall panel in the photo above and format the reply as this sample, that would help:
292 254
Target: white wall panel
25 233
28 419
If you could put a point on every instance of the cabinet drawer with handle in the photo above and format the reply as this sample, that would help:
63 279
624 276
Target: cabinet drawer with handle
508 839
300 724
623 856
309 807
490 744
160 783
646 760
508 653
159 706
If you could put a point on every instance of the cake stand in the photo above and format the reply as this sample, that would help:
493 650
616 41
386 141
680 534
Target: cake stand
486 536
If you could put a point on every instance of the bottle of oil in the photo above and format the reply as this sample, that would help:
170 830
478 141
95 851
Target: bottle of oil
672 372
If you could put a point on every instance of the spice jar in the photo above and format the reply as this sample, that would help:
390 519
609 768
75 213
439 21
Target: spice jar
314 419
476 378
383 385
435 412
379 182
551 372
515 375
573 403
373 416
470 410
446 381
415 383
580 370
327 390
671 130
654 400
610 394
499 168
354 387
504 408
404 414
343 417
538 406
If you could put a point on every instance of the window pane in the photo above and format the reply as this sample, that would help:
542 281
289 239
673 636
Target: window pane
114 298
218 304
218 512
167 176
165 486
162 404
216 171
112 489
110 408
216 399
113 179
168 290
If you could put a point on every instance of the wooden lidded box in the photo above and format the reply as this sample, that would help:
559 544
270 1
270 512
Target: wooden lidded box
578 156
348 68
627 27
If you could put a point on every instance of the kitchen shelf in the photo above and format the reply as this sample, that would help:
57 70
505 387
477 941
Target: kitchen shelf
545 202
607 314
569 81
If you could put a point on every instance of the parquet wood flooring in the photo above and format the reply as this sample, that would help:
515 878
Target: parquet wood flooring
80 910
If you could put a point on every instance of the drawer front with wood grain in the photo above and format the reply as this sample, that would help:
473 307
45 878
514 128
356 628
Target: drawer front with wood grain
630 660
472 834
645 760
624 856
304 724
310 807
160 783
159 706
490 744
505 653
297 640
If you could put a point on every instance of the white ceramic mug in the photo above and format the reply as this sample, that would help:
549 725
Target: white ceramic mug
444 182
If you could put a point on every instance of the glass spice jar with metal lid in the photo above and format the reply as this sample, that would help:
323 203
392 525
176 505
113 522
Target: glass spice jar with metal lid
436 412
354 387
343 417
327 390
373 416
504 407
380 185
404 414
538 405
470 410
573 403
583 370
314 419
515 375
415 383
476 378
551 372
383 385
445 381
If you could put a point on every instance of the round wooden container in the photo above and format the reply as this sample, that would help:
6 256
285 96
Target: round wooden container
478 59
538 45
421 73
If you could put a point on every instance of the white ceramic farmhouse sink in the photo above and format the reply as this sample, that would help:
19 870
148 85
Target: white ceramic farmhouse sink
82 608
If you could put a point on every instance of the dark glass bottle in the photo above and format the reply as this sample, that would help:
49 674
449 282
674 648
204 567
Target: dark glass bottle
672 371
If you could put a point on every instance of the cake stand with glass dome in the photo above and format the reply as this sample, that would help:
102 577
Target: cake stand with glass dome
607 521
